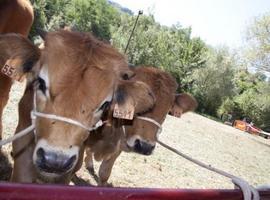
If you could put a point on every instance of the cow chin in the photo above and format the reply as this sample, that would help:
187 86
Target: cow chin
45 178
54 164
138 145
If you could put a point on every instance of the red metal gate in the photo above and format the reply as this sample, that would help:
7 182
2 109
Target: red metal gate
56 192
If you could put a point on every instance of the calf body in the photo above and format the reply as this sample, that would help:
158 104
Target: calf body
73 78
62 80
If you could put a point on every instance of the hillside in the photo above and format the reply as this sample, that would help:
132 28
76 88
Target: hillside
120 7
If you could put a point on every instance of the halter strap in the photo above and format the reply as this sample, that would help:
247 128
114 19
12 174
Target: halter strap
148 120
35 114
151 121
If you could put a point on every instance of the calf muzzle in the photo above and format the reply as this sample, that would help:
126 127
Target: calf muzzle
143 147
54 162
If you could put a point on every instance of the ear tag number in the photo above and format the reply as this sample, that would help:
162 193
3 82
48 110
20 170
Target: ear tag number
12 73
123 112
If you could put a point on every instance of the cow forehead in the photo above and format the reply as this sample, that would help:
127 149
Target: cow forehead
80 62
82 48
78 92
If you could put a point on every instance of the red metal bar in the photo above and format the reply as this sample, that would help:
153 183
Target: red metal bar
10 191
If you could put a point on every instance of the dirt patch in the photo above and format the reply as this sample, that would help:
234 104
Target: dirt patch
220 145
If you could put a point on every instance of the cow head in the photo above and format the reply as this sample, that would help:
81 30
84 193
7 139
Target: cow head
141 135
74 76
130 99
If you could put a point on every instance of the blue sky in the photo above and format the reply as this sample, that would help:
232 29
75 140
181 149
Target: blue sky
217 22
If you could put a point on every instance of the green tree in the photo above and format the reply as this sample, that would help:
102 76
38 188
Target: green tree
95 16
255 104
252 99
170 48
258 38
214 83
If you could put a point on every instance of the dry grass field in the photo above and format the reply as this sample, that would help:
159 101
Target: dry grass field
220 145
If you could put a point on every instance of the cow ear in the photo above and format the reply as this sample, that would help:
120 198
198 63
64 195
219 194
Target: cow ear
132 97
183 103
20 55
127 74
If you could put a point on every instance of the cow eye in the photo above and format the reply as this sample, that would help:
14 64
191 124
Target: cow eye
42 85
104 106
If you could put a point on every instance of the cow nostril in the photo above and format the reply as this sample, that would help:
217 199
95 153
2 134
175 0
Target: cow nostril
143 147
41 154
41 158
137 145
69 163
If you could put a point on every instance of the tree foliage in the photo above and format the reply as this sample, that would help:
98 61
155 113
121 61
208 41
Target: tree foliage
252 99
219 79
170 48
214 83
95 16
258 38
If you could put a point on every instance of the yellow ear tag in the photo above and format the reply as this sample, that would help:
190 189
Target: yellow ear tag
125 111
11 72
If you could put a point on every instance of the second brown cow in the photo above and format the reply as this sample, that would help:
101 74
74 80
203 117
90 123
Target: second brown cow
139 135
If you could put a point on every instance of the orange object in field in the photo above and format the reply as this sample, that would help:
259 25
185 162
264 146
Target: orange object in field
253 129
244 126
240 125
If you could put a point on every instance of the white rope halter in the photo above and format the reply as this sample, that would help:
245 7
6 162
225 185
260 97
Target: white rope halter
35 114
151 121
148 120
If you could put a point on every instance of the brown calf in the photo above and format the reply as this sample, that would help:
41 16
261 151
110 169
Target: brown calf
74 76
16 16
140 136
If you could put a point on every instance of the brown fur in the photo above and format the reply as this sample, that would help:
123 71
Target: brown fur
19 52
23 169
105 140
107 143
82 71
183 103
85 62
139 93
163 86
16 16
